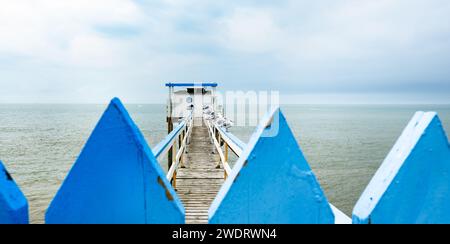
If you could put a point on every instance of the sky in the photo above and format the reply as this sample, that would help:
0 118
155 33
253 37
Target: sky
326 51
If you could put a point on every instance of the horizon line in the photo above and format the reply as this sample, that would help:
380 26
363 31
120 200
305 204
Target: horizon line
151 103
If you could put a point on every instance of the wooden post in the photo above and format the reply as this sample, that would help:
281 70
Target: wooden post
217 135
225 147
170 126
174 180
182 135
174 151
170 153
182 162
226 157
226 151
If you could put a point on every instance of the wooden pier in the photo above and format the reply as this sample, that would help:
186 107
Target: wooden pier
199 155
118 179
199 181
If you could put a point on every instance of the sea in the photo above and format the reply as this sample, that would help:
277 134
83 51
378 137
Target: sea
344 144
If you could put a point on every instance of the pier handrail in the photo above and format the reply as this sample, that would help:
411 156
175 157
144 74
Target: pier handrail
181 133
219 135
223 158
166 144
172 174
234 143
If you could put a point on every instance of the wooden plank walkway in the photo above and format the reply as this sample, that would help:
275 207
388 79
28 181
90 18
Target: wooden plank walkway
198 183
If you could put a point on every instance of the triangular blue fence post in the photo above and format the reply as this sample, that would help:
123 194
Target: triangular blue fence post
116 179
271 183
413 183
13 204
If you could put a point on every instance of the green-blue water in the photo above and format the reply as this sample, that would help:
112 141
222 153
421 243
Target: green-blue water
344 144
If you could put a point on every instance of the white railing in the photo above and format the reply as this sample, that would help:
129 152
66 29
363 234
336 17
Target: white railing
181 136
230 142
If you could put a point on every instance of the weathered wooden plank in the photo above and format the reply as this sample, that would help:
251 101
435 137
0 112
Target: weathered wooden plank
196 217
190 185
199 182
199 208
197 200
197 192
194 195
200 176
195 221
210 174
198 197
197 212
203 208
203 214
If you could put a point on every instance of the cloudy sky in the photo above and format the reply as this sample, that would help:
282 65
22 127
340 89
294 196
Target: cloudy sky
327 51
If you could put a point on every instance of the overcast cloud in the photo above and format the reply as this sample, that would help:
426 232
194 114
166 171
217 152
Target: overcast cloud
89 51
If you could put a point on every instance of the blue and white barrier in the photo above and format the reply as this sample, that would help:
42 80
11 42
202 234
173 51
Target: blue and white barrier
116 179
413 183
13 204
271 183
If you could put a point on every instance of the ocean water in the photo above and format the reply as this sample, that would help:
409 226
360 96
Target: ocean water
344 144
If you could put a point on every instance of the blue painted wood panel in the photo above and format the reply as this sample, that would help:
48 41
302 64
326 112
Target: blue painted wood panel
116 179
